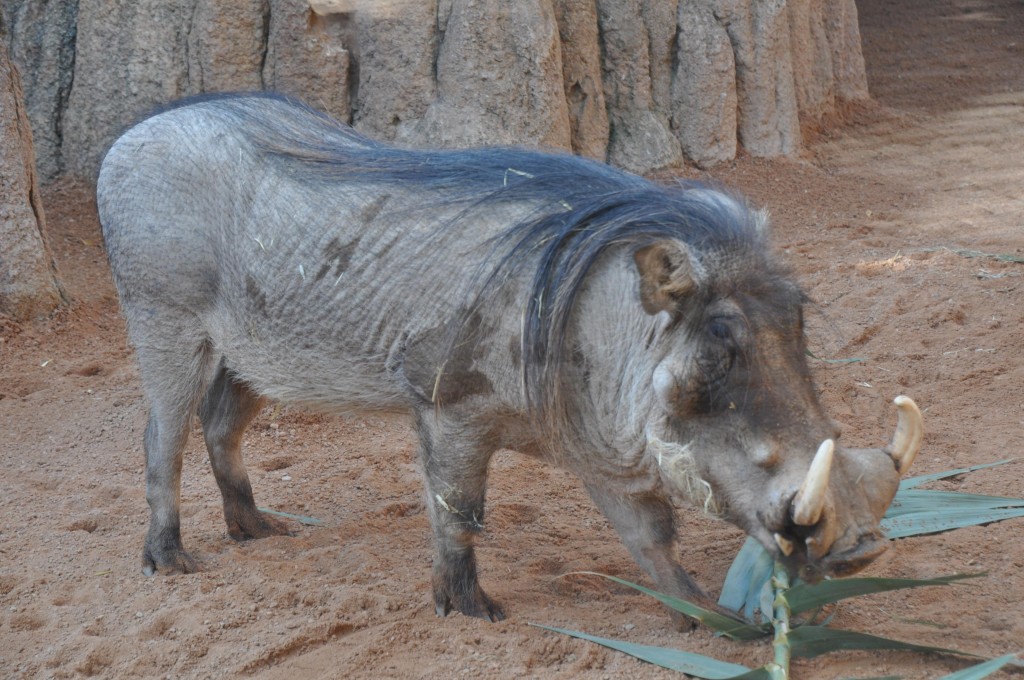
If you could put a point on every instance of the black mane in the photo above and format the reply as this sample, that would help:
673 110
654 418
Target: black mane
581 208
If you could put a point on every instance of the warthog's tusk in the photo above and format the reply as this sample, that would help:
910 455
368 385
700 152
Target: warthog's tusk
906 442
815 549
785 545
810 499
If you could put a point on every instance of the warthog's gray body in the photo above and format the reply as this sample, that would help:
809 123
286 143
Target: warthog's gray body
504 298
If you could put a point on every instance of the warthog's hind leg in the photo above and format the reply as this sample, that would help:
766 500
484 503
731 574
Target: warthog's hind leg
455 464
228 408
173 375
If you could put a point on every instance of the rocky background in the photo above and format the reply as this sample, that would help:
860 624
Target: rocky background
28 281
642 84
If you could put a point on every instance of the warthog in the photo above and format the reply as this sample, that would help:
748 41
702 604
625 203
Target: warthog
640 335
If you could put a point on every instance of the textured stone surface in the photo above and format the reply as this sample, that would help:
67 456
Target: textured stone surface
812 58
42 42
640 139
306 56
395 44
704 86
660 18
225 45
581 76
28 285
843 32
129 57
767 122
134 55
499 77
640 83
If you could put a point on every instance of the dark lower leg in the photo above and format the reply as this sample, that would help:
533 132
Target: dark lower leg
455 465
164 445
456 586
227 409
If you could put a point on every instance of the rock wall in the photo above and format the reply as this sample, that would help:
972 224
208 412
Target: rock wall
28 285
643 84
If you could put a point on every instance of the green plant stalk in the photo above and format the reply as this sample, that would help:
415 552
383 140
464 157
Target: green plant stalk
779 670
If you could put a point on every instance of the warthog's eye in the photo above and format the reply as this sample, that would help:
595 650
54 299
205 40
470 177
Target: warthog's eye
721 350
726 333
718 328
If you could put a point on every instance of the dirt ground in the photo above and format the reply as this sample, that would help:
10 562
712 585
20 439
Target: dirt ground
882 218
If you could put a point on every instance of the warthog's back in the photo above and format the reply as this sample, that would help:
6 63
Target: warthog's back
311 284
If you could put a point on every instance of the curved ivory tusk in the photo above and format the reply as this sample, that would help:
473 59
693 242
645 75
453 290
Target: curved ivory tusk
810 499
785 545
906 442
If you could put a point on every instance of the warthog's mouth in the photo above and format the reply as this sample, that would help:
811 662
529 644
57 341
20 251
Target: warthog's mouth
846 562
828 530
818 526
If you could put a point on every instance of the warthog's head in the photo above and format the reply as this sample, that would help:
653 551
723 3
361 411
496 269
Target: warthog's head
738 426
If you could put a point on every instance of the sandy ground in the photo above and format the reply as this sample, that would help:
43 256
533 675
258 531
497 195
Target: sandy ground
880 219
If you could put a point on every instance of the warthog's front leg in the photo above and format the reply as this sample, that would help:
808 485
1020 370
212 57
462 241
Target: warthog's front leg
646 524
455 464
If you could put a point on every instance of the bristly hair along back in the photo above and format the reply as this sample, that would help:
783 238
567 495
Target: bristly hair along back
576 209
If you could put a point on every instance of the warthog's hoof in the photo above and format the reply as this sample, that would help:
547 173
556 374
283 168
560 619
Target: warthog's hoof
476 604
243 526
684 623
163 552
170 561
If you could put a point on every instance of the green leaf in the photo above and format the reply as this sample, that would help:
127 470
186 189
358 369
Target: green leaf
1005 257
913 501
783 652
312 521
911 482
919 511
946 519
746 579
833 361
732 629
674 659
811 641
981 670
805 597
924 622
913 512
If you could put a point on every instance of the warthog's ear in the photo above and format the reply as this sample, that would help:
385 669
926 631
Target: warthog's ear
668 273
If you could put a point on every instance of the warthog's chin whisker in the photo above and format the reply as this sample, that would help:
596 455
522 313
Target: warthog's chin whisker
679 471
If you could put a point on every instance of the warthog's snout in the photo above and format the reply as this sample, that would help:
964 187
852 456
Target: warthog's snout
832 523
